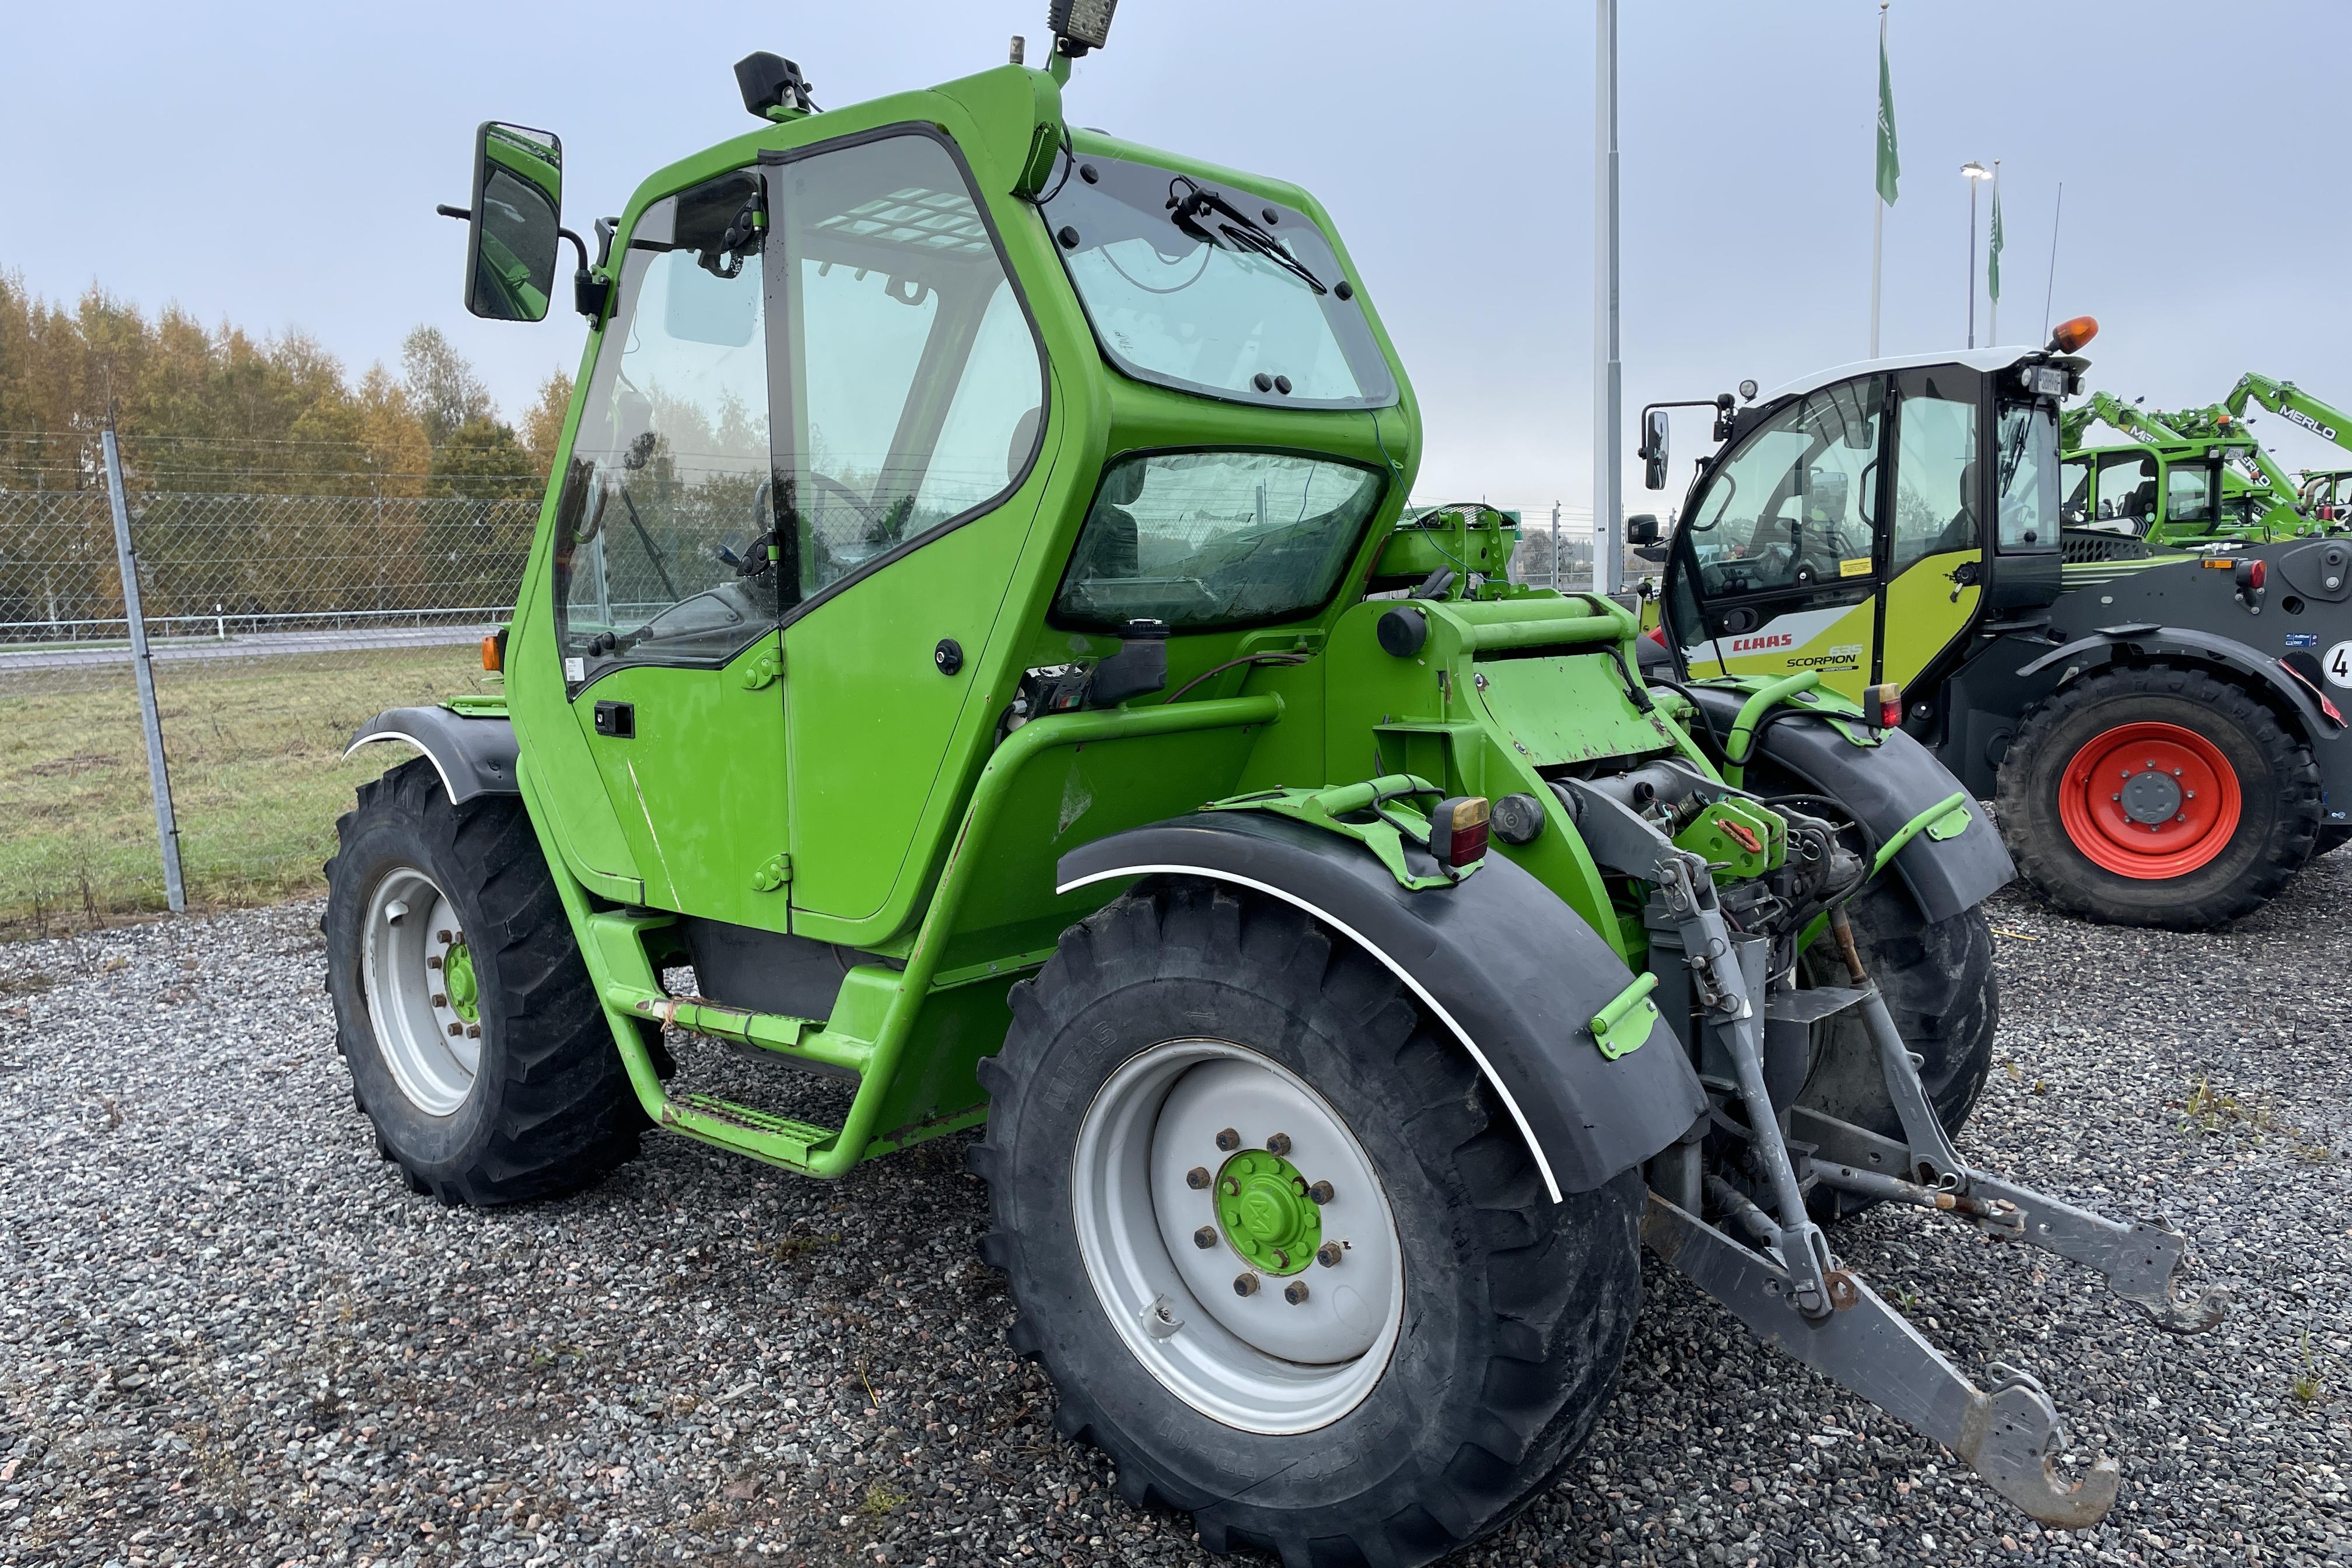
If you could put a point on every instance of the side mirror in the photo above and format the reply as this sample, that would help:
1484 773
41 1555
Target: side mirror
515 222
1641 528
1655 434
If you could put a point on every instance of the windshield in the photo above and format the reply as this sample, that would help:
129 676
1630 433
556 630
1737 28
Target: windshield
1211 290
2028 477
1214 539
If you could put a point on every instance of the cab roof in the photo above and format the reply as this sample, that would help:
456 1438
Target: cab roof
1986 360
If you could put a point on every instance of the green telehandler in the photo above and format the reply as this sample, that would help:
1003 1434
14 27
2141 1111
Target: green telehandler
2168 488
971 629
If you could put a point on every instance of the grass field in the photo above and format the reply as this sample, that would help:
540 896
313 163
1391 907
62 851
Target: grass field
255 748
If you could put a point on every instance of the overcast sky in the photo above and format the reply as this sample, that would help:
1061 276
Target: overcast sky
276 164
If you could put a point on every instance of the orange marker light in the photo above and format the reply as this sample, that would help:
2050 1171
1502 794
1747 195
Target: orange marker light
2074 333
491 660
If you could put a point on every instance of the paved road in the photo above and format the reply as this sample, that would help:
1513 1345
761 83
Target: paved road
251 645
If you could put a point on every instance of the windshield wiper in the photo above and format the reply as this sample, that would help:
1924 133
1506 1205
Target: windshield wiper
1241 231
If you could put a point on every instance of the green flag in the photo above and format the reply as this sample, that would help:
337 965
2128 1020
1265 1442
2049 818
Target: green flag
1890 167
1992 256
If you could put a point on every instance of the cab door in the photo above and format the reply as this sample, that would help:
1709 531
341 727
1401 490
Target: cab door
666 575
1775 562
1932 561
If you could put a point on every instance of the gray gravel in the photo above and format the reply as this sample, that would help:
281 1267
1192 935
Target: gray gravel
228 1334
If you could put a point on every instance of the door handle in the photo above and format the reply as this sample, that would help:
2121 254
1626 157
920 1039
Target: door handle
618 720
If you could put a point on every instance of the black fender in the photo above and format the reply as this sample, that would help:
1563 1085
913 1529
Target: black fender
1885 786
473 755
1497 959
2146 641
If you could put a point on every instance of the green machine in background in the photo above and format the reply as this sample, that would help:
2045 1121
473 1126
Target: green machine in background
974 632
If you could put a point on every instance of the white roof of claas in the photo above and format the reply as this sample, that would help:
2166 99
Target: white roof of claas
1975 359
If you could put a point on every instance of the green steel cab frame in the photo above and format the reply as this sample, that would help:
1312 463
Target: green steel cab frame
918 605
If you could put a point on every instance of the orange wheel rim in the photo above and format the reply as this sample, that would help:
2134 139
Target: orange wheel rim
2149 801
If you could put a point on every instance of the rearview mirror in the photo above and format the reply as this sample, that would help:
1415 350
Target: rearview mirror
513 230
1653 447
1640 529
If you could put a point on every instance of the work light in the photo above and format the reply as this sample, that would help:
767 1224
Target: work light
1080 25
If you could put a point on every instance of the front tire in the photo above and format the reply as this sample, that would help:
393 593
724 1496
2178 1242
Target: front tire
1174 1037
2157 796
463 1008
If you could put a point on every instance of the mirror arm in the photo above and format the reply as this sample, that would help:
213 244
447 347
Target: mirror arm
589 293
462 215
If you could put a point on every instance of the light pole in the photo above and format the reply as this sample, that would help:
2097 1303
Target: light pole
1977 174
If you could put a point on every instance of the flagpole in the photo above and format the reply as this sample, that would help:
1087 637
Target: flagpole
1992 322
1877 205
1608 370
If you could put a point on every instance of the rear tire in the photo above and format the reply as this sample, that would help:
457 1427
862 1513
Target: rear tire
1510 1314
537 1102
2170 853
1945 997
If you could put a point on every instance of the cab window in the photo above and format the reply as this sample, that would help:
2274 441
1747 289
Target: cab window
660 552
2027 483
2187 493
1795 505
1935 468
2127 492
911 393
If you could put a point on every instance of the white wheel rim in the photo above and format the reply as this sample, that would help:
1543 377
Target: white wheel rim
433 1052
1258 1363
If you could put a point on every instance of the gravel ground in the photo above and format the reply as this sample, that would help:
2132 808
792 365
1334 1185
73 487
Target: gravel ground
228 1334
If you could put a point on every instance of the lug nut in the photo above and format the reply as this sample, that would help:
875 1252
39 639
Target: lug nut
1296 1292
433 961
472 1031
1281 1258
1321 1193
440 1000
1245 1284
1205 1237
444 936
1278 1145
1229 1140
1230 1187
456 1028
1329 1254
1197 1178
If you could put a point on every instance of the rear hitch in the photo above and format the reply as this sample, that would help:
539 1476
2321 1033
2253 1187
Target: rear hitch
2010 1435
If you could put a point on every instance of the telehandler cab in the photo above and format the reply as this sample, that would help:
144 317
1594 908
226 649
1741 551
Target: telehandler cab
969 626
2155 723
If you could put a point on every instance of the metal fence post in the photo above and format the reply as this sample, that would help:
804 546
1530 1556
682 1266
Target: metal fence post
159 778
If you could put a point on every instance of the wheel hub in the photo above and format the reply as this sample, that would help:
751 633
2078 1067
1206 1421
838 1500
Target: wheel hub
1266 1215
2151 796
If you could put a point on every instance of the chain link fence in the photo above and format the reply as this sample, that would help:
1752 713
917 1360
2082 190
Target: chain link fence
277 624
281 611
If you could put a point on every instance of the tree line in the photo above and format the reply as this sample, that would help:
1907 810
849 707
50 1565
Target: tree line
215 409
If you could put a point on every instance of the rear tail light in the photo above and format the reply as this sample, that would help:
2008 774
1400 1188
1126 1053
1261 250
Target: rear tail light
1457 830
2250 575
1882 704
1656 635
